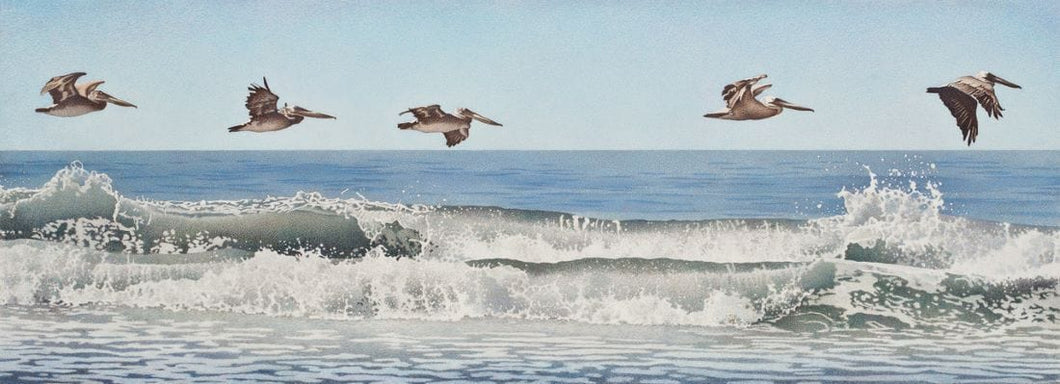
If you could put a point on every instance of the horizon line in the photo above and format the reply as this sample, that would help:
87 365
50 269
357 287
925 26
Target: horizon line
544 150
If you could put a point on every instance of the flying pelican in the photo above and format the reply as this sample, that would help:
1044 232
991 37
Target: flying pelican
71 100
264 117
431 119
740 102
960 96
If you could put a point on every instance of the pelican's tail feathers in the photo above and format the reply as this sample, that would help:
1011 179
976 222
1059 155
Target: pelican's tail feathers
237 128
42 110
935 89
716 115
406 125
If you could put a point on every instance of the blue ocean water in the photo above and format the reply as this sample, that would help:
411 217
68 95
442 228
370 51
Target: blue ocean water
1011 186
594 266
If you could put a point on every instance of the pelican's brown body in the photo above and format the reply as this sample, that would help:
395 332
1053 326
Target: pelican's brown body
456 128
70 99
741 104
961 95
264 117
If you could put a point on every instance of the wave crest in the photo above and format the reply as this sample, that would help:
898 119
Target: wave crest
874 265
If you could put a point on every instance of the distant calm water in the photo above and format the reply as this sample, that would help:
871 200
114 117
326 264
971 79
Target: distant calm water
496 266
1013 186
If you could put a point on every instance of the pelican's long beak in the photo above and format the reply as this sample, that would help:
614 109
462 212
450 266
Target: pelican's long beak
785 104
115 100
483 119
1005 82
307 113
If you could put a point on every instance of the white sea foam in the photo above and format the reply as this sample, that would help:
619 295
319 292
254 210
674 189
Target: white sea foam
378 287
890 224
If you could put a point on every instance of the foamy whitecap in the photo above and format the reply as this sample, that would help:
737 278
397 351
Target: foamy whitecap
380 287
263 257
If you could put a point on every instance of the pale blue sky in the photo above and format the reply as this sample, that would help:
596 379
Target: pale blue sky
559 75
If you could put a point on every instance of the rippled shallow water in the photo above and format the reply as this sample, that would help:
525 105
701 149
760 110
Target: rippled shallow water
106 344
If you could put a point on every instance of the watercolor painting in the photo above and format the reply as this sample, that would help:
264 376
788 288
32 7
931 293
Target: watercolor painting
529 192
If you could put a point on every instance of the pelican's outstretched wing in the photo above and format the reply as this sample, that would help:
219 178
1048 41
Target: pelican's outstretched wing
455 137
261 101
85 88
739 89
962 107
62 87
982 91
758 89
426 113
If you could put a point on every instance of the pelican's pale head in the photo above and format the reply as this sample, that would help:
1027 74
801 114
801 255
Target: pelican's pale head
99 96
781 103
469 114
295 110
992 78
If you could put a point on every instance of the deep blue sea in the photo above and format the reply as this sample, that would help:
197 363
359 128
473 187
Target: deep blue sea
1013 186
530 266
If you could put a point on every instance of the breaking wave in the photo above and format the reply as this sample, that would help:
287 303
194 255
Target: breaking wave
892 260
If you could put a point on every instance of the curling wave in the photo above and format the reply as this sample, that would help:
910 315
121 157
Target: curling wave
892 260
